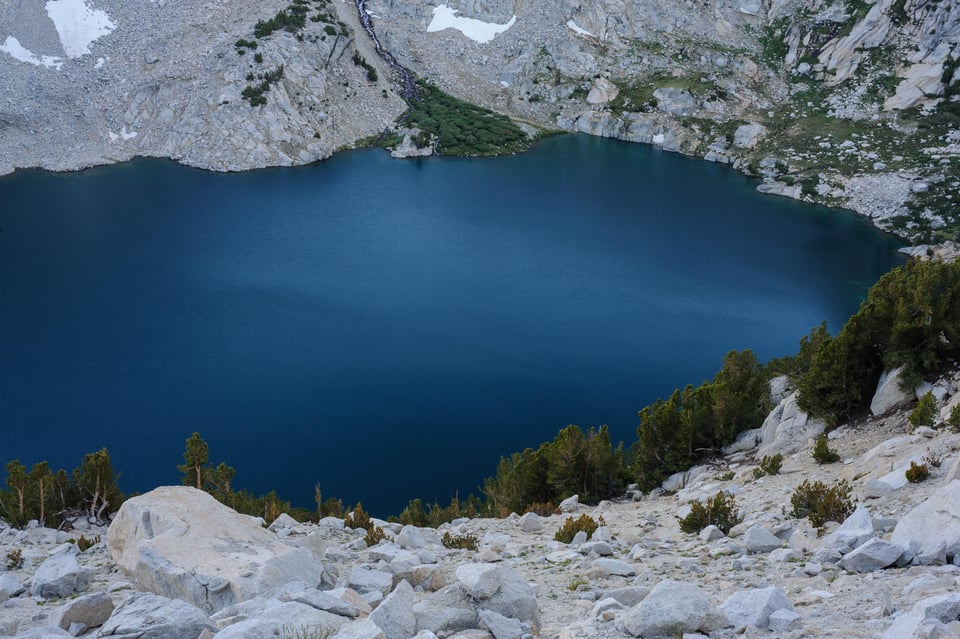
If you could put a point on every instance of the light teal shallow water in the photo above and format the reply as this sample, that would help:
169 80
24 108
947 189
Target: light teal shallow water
390 328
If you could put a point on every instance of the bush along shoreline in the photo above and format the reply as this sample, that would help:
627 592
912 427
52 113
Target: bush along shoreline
910 321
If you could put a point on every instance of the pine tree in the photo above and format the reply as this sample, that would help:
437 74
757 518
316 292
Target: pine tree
15 504
96 483
196 469
41 486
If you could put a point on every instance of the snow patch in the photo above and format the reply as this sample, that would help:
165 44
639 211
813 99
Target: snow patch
13 48
477 30
578 30
122 135
99 63
659 138
78 25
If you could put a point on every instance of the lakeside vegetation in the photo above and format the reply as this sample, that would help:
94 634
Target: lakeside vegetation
462 128
910 318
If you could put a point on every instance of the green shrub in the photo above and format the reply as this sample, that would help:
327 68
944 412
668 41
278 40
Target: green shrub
820 503
770 464
823 453
953 421
374 535
727 476
461 542
572 526
14 559
462 128
917 473
720 511
925 412
357 518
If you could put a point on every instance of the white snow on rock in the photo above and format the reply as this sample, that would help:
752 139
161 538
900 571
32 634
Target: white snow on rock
477 30
578 29
78 25
12 47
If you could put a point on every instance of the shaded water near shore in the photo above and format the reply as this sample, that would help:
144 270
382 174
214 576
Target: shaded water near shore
389 329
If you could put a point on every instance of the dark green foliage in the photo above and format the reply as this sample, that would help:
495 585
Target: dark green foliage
330 30
925 412
572 526
796 366
770 464
254 94
461 542
911 318
953 421
289 19
917 473
360 61
195 469
14 559
258 58
697 422
719 510
820 503
578 462
463 128
823 453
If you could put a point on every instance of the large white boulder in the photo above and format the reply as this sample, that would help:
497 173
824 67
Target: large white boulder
873 555
180 542
746 137
752 608
147 616
787 429
602 91
395 615
935 521
60 575
670 608
889 395
927 618
90 611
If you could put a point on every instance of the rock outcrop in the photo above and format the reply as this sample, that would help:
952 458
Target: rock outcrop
180 542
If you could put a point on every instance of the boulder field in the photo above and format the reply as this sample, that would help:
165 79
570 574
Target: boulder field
176 564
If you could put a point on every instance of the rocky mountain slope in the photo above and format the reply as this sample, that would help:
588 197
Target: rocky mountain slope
843 102
176 564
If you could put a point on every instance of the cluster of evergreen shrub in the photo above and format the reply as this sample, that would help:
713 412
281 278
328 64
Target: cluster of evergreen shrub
576 461
291 19
695 423
463 128
911 318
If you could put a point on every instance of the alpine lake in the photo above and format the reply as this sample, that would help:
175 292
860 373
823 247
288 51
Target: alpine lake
388 329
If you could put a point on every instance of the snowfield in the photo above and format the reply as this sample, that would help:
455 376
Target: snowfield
477 30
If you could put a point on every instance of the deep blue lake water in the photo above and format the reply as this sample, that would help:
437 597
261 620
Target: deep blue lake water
385 328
